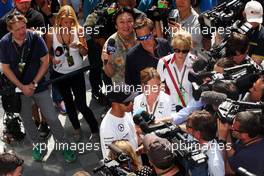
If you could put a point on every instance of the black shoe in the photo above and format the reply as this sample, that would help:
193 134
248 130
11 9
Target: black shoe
44 130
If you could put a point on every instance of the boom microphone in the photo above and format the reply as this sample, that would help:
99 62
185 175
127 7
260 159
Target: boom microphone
213 98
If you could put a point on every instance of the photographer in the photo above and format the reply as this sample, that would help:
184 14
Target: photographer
237 47
253 13
203 127
135 166
10 165
118 122
160 154
247 151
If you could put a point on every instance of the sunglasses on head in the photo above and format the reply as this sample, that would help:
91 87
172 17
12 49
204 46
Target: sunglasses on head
12 15
176 50
145 37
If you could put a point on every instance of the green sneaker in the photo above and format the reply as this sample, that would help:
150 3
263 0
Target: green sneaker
69 155
37 154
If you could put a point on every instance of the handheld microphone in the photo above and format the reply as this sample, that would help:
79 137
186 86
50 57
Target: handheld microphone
111 46
213 98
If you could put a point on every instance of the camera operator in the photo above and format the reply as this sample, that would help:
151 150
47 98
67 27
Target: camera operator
146 53
160 154
247 151
237 47
256 92
11 165
118 122
253 13
186 17
203 127
135 166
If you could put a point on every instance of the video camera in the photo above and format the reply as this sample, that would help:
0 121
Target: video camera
236 74
189 157
229 108
188 153
223 15
101 18
115 167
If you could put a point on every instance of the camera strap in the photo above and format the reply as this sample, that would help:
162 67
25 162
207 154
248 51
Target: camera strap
174 82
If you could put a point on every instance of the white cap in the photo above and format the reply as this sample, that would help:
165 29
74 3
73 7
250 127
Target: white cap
254 12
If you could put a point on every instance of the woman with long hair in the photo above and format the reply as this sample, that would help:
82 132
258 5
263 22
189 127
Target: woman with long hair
67 46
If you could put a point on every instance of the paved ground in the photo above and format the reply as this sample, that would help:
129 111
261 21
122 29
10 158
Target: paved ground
54 164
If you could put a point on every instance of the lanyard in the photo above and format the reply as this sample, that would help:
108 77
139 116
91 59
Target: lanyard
154 110
20 53
177 77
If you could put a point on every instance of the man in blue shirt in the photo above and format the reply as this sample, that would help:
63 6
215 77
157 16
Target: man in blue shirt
5 6
25 60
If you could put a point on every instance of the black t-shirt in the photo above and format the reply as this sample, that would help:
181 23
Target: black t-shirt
55 7
250 157
256 43
138 59
34 18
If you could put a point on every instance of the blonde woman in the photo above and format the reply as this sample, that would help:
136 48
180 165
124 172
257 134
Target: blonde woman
66 42
134 164
174 70
153 99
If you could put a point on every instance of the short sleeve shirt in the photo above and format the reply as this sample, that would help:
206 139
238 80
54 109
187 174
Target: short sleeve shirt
11 54
118 58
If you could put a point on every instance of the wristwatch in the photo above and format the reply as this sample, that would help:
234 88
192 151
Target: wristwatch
35 83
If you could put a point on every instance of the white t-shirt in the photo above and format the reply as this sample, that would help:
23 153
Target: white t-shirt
59 54
182 76
163 105
216 165
115 128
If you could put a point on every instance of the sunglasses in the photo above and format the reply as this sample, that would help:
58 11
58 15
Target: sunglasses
176 50
12 15
145 37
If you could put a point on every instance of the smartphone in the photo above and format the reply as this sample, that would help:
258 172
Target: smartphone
172 19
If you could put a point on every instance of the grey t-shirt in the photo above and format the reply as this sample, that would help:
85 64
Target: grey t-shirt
190 24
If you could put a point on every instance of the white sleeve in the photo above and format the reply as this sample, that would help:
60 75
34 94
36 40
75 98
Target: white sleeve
160 70
106 138
216 166
181 116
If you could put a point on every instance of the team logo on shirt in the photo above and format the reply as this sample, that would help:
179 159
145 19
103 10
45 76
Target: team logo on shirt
142 104
121 127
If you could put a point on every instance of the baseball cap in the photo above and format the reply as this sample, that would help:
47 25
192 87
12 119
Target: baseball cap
159 151
254 11
121 97
22 1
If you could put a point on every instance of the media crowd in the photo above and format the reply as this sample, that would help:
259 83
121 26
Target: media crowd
181 95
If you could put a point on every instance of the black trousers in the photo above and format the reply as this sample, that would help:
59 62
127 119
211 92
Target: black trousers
75 86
